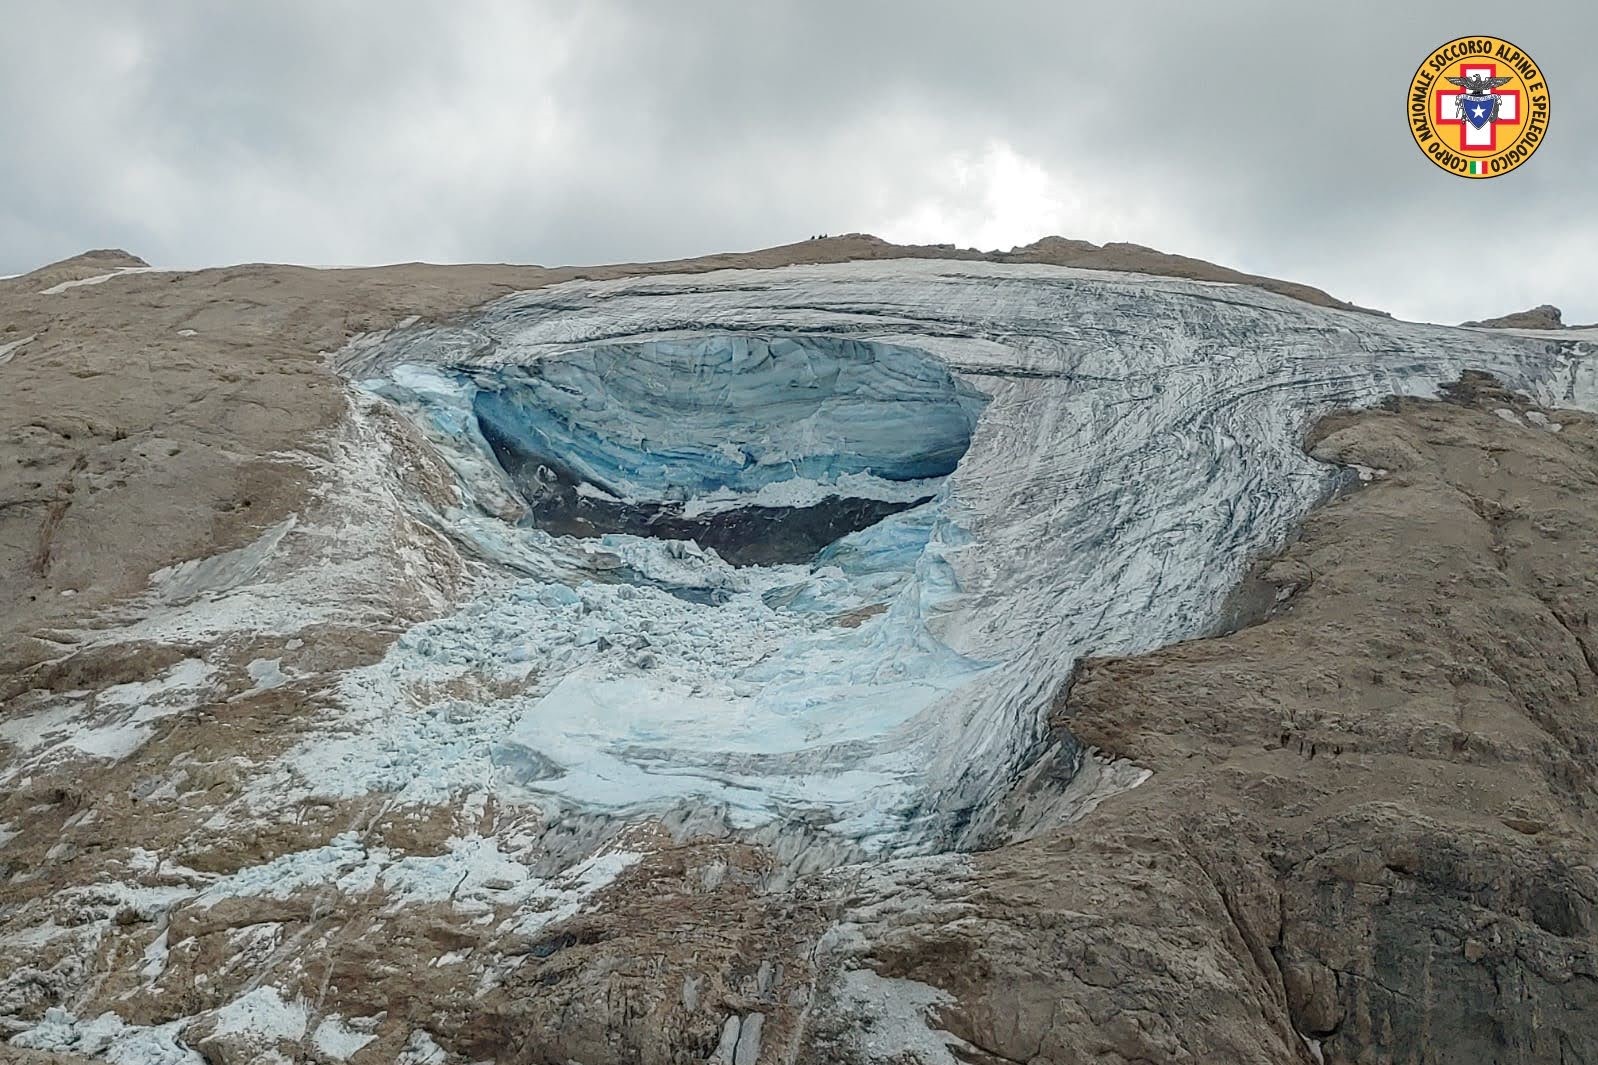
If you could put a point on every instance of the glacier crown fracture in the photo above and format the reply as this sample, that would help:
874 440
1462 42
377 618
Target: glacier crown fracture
682 419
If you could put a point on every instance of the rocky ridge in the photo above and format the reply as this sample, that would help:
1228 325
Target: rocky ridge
1546 316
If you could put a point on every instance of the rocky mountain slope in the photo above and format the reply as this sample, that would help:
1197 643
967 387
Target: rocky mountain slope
1187 671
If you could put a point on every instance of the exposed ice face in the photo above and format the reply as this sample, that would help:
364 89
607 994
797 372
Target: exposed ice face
678 420
762 449
1139 443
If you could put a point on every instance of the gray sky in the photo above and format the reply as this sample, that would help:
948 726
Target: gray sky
1267 136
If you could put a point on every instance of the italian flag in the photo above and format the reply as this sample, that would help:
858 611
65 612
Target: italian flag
1475 167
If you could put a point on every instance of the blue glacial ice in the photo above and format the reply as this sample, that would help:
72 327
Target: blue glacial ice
681 420
1077 463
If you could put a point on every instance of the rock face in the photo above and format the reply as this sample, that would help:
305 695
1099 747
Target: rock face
319 746
1546 316
1373 806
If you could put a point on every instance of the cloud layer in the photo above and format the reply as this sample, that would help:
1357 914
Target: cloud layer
1270 137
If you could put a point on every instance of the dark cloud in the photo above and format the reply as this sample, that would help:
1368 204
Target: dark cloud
1268 136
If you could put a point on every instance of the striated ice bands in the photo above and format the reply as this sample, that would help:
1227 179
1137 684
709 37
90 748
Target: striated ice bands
1128 443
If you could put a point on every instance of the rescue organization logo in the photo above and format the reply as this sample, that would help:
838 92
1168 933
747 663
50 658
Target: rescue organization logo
1478 107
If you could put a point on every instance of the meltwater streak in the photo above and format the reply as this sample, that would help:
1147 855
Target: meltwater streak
1139 444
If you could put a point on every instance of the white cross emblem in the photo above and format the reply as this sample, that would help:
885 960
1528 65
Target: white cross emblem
1470 136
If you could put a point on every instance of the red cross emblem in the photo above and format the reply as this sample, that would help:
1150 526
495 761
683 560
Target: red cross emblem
1471 139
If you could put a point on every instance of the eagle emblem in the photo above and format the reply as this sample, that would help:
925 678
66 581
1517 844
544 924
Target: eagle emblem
1478 104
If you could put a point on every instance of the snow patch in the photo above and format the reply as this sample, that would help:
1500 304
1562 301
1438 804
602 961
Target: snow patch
896 1019
7 351
106 1036
220 573
99 279
420 1049
109 724
338 1040
155 959
475 876
264 1016
266 673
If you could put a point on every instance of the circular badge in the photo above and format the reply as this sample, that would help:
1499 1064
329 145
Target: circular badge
1478 107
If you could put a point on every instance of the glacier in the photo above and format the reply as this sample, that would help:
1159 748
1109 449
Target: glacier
979 472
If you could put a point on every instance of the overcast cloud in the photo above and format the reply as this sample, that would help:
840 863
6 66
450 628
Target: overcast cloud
1267 136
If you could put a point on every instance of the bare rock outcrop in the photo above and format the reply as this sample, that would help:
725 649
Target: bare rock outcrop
1058 251
1545 316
